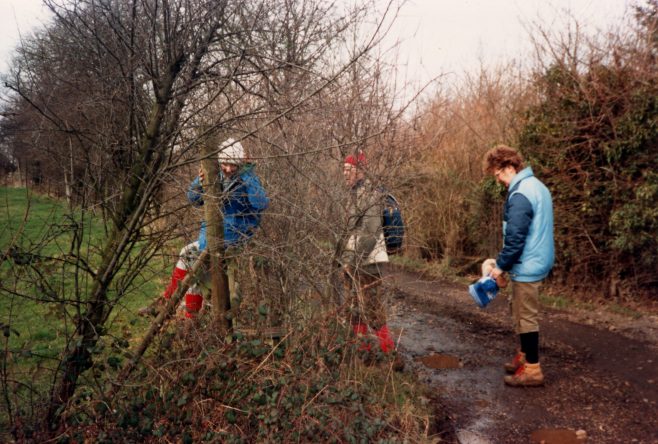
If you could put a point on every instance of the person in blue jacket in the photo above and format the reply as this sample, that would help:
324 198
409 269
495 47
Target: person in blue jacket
527 255
244 200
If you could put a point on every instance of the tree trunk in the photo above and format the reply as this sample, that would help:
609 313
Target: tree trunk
220 297
77 358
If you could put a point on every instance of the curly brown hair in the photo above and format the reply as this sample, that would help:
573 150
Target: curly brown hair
502 156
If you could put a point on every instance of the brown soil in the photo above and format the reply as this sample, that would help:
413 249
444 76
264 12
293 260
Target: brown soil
600 369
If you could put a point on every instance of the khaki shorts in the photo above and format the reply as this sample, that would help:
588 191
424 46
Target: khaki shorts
524 305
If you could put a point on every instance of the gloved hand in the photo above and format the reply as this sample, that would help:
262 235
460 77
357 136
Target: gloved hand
489 269
497 275
501 281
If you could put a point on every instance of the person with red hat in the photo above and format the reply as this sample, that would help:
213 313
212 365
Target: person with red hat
364 252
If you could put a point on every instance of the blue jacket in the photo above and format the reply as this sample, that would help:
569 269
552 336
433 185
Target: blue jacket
528 250
241 209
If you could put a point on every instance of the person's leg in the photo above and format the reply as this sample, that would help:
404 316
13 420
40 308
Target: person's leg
519 357
525 311
193 295
236 260
186 258
234 297
530 346
526 296
354 279
355 304
193 301
374 307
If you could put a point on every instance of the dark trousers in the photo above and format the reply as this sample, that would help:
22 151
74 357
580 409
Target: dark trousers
367 306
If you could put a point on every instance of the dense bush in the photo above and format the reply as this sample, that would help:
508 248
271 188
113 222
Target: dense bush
308 388
587 122
593 140
453 214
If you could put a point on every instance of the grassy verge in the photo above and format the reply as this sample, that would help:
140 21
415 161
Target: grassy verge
43 293
43 290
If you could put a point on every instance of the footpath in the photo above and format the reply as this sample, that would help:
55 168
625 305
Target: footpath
601 369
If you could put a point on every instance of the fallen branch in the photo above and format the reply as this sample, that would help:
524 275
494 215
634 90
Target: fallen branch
156 326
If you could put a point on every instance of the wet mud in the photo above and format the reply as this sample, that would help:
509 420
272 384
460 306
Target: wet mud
558 436
598 382
436 361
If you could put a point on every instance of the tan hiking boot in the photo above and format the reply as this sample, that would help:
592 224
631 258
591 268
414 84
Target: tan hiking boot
517 361
528 375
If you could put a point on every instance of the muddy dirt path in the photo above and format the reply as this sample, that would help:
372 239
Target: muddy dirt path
601 371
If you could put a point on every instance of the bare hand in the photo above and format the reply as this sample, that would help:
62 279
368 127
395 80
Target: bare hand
201 175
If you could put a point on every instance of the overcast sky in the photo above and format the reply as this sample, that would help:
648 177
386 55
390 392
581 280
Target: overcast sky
450 36
17 17
437 36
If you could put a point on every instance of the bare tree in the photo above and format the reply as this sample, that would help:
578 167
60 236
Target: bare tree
122 95
451 134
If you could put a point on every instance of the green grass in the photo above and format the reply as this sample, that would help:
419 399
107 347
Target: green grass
43 228
407 262
559 302
29 222
566 303
624 311
41 225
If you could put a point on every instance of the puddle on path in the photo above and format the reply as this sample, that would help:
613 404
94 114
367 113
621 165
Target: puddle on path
557 436
440 361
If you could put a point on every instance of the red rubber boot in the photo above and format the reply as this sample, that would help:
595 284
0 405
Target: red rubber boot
193 304
385 342
360 331
177 276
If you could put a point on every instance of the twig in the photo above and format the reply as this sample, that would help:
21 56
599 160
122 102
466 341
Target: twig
156 325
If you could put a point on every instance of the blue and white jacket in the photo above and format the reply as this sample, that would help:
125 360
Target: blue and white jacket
528 249
241 209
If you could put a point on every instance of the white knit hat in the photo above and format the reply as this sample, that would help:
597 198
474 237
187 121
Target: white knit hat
231 152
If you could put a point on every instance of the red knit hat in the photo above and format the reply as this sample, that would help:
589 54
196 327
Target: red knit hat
358 161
